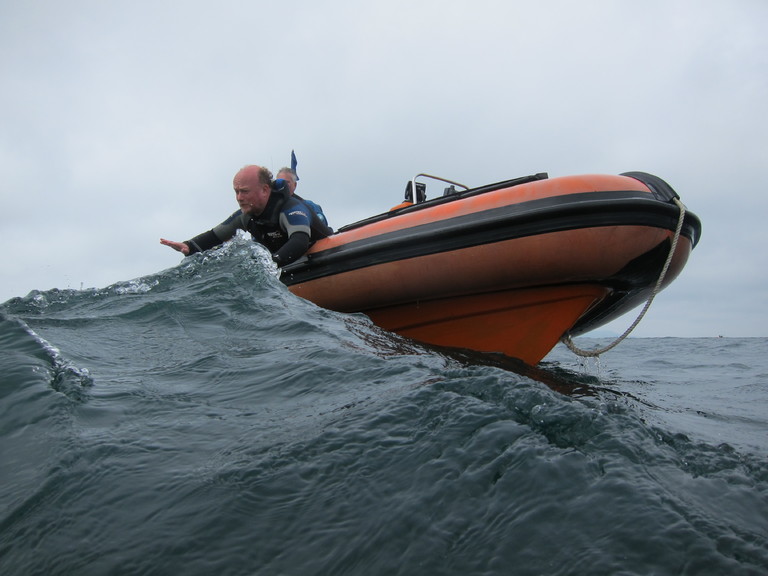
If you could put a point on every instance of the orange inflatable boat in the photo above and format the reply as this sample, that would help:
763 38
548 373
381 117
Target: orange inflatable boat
510 267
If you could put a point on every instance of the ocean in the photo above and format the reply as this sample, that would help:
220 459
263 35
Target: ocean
203 420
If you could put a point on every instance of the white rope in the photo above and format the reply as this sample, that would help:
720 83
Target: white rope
568 341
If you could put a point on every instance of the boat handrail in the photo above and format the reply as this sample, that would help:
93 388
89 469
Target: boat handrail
450 198
413 185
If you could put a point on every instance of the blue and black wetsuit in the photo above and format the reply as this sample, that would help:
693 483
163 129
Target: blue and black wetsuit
286 227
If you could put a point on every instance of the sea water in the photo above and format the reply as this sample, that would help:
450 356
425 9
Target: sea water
206 421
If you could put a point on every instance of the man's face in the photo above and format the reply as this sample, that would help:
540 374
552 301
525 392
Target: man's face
250 193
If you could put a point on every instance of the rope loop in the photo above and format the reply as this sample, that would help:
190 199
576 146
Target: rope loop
568 341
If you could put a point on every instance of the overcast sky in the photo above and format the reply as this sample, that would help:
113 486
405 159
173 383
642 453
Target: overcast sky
124 121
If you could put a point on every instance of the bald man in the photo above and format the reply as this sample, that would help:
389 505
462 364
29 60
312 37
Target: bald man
276 219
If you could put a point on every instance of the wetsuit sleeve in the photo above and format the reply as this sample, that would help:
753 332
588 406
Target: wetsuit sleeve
295 220
217 235
295 248
202 242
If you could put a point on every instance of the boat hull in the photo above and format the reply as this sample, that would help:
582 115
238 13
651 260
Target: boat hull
507 270
523 323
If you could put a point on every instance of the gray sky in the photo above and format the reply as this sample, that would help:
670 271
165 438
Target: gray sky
124 121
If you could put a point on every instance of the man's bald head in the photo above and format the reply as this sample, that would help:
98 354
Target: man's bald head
252 186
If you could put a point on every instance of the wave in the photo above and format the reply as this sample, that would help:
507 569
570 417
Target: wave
205 419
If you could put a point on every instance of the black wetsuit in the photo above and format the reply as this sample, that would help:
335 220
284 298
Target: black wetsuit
286 227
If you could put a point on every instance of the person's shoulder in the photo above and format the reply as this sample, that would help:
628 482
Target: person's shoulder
295 208
293 203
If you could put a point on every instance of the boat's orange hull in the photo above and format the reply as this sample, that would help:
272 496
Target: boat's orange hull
524 323
511 270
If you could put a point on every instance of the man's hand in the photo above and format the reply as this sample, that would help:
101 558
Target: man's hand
178 246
